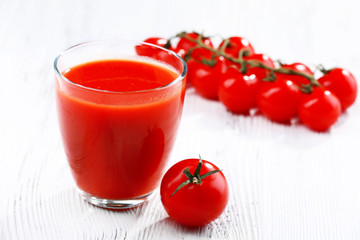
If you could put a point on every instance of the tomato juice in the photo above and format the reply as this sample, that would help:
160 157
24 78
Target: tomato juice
118 120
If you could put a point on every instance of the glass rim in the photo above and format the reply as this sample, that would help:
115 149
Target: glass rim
179 78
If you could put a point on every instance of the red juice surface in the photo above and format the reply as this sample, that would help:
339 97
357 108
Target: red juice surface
117 142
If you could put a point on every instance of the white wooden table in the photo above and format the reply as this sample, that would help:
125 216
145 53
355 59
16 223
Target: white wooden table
286 182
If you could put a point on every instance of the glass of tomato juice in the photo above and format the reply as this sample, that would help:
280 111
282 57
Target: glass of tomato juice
119 107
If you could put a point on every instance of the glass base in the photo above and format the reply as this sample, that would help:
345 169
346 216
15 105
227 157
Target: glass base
115 204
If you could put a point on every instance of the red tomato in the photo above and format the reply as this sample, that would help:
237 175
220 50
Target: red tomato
199 202
296 78
237 91
154 52
158 42
184 45
226 63
279 100
236 44
205 78
261 73
342 84
144 50
319 110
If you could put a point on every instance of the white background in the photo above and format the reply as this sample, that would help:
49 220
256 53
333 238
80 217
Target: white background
286 182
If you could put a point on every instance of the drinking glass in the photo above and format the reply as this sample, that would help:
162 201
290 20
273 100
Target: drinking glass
117 143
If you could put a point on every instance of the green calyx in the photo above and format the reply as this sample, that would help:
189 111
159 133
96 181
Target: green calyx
195 178
167 44
322 69
270 77
306 88
212 62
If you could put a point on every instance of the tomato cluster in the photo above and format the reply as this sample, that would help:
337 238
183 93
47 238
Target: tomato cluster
242 80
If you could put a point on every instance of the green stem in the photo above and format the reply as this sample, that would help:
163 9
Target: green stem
196 178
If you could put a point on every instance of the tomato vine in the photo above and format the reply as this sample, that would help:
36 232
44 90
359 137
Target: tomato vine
306 88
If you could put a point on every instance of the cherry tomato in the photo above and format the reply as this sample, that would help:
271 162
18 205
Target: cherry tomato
236 44
237 91
144 50
205 78
319 110
201 200
279 100
154 52
226 63
261 73
162 42
184 45
342 84
296 78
